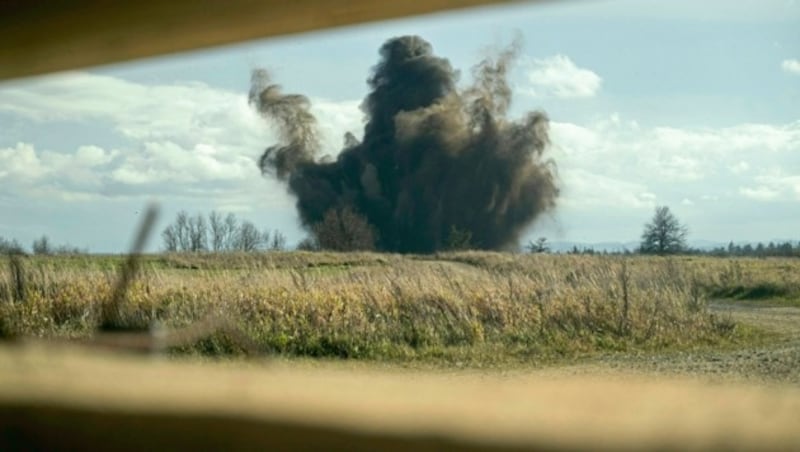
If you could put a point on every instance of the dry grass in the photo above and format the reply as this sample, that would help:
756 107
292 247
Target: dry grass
479 308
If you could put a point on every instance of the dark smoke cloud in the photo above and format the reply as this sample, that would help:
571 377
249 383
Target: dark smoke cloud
433 157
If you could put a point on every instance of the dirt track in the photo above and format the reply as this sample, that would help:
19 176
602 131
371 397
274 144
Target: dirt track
775 362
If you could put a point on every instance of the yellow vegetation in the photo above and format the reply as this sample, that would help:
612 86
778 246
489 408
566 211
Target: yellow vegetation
479 307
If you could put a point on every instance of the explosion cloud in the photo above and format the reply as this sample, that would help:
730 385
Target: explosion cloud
434 159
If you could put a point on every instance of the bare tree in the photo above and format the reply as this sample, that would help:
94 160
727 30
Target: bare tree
278 242
308 244
664 234
265 237
170 239
198 233
217 228
459 239
231 232
344 230
42 246
182 231
10 246
201 233
539 246
249 239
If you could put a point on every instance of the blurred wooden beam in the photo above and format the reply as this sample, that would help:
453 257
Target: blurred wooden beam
64 398
43 36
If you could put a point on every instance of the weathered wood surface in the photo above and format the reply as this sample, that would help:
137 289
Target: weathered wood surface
60 397
45 36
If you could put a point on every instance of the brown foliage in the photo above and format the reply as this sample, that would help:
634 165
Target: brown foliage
344 230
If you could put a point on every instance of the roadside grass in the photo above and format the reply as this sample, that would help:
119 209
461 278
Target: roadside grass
757 282
759 296
473 309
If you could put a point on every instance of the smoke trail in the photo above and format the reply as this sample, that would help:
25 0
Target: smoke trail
434 159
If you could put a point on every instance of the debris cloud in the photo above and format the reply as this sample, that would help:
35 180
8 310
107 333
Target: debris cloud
435 161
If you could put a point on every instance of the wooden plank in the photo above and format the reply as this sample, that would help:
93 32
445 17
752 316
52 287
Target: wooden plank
46 36
58 397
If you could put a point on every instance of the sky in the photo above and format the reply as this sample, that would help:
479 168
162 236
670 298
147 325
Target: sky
692 105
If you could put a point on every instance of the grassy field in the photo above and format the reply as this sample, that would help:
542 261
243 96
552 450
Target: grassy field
469 308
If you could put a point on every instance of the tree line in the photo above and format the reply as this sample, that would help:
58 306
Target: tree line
346 230
771 249
665 234
40 246
218 233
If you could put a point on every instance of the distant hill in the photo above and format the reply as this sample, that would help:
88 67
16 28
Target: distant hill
616 247
611 247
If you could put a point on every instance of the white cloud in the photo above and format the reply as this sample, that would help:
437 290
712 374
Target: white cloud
185 139
65 175
761 137
558 76
681 167
21 163
613 161
774 184
739 167
92 156
761 193
791 66
584 188
335 118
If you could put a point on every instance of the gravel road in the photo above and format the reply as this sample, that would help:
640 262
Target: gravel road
774 362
